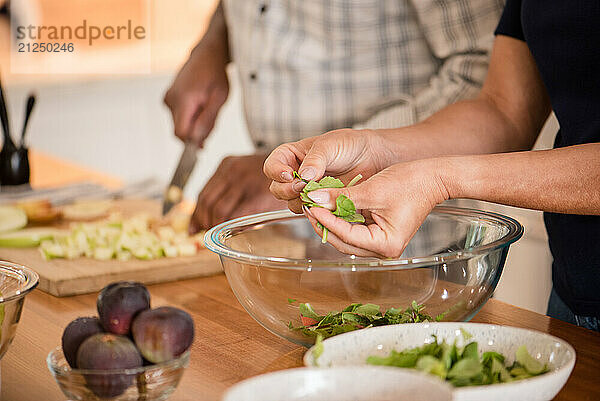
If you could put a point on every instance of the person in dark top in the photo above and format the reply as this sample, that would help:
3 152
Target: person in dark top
546 57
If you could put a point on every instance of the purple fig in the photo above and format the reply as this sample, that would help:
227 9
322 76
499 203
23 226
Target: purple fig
163 334
77 332
108 352
119 302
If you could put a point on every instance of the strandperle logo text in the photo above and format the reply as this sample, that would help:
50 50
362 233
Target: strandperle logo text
84 31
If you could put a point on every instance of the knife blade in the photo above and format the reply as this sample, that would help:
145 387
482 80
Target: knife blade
174 192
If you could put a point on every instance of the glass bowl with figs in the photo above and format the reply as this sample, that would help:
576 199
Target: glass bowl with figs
300 288
129 352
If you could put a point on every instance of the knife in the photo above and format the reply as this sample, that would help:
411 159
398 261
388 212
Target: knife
174 192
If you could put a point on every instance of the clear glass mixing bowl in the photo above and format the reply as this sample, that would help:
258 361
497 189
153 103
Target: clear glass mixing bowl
16 282
274 261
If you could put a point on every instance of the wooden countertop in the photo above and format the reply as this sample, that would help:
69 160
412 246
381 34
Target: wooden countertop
229 345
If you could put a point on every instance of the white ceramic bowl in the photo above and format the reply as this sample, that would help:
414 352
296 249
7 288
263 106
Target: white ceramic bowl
349 383
353 349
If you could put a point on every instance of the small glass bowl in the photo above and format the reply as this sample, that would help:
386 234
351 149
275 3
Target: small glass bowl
148 383
274 261
16 281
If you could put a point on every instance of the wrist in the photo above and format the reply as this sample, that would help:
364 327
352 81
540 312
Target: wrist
459 175
403 143
215 41
211 47
385 149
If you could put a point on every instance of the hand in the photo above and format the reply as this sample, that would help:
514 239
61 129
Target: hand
197 94
342 153
236 189
395 201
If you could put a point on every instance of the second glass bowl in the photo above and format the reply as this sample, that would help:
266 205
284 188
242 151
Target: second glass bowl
148 383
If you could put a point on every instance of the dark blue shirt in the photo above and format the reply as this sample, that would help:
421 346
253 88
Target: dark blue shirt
564 39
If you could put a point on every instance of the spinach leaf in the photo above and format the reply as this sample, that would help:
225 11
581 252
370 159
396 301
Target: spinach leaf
353 317
345 208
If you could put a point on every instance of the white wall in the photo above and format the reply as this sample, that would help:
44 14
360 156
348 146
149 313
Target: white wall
121 127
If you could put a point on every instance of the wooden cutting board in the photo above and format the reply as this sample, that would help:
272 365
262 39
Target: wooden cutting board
61 277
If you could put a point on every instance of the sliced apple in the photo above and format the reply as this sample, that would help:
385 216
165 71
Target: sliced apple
12 218
29 237
179 221
39 210
87 210
34 205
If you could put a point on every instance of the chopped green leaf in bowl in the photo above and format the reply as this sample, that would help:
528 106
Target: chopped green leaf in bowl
356 316
463 366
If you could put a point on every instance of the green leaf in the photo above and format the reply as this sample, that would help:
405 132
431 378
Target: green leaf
292 300
351 308
499 370
430 364
449 355
330 182
319 348
465 368
398 359
350 317
471 351
311 186
344 207
355 218
368 309
490 355
306 201
531 365
307 311
519 372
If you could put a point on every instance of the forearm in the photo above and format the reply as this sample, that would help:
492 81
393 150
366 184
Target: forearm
465 128
507 115
215 39
565 180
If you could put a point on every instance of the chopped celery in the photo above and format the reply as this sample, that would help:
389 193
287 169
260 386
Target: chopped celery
122 239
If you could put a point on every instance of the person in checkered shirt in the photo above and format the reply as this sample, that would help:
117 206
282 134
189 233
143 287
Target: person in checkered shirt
311 66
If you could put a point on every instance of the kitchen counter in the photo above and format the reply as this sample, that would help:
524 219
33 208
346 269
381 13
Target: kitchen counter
230 346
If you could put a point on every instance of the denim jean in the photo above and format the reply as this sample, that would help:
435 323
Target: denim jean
559 310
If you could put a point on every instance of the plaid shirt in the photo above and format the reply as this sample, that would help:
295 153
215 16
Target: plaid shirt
310 66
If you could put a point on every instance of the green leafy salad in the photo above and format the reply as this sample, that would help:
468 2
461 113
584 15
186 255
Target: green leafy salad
356 316
464 366
345 208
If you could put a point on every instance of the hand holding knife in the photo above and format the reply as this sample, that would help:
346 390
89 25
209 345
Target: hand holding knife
174 192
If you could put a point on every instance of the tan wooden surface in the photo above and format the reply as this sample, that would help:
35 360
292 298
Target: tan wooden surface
63 277
49 171
230 346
